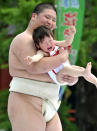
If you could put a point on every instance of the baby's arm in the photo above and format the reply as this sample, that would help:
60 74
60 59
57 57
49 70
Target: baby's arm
69 39
40 54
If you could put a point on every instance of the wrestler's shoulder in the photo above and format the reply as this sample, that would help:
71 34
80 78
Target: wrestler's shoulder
22 39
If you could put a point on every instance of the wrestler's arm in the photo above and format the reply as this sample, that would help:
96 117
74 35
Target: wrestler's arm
44 65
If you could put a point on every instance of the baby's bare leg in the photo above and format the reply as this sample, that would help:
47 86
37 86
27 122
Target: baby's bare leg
74 71
77 71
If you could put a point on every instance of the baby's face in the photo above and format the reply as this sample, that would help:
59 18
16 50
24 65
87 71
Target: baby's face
47 45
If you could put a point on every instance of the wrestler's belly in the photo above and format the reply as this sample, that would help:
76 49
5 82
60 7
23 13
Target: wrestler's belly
24 74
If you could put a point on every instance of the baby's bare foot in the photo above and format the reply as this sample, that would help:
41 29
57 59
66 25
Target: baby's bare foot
88 69
89 76
87 72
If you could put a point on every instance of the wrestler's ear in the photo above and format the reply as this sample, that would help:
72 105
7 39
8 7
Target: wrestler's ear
34 16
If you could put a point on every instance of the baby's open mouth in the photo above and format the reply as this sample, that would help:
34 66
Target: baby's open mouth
49 48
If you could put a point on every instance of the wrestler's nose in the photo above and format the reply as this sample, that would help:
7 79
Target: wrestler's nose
50 22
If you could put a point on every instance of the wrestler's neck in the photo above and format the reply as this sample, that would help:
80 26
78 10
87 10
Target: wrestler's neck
30 28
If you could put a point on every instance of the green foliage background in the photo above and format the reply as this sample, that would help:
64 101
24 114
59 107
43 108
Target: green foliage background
86 93
88 45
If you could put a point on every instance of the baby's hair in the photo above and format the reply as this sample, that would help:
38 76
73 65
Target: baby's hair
39 34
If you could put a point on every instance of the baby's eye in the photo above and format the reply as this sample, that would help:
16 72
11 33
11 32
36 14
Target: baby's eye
50 40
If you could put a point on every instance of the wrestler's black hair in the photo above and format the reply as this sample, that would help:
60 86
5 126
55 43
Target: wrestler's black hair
42 6
39 34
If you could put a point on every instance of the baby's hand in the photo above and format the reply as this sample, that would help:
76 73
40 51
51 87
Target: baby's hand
69 38
60 43
29 60
72 30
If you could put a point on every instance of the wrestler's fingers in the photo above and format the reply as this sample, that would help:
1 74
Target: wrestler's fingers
69 79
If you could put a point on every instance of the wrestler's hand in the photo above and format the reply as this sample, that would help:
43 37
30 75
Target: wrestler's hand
62 51
69 79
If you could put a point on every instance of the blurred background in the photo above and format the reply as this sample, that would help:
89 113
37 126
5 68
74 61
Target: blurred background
78 111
